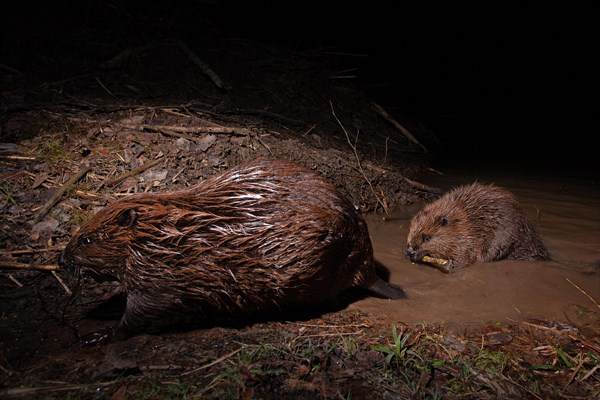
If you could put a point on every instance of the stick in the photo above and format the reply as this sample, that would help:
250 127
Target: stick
590 372
583 291
17 265
62 283
30 391
104 87
60 192
358 160
22 252
201 64
11 69
581 362
218 360
415 184
15 280
422 186
379 110
133 172
192 129
17 252
18 158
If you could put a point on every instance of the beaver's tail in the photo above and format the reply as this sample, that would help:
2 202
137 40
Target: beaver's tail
382 289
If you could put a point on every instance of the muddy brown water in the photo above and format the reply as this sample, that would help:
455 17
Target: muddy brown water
566 213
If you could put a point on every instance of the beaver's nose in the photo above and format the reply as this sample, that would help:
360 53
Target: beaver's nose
410 252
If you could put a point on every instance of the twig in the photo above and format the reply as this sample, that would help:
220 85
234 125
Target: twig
204 67
104 87
265 146
422 186
62 283
30 391
17 265
574 374
379 110
18 158
590 372
353 146
217 361
180 135
22 252
60 192
324 326
584 292
192 129
11 69
334 334
15 280
133 172
522 387
415 184
17 252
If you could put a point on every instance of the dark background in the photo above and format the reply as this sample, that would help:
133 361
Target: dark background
496 85
492 86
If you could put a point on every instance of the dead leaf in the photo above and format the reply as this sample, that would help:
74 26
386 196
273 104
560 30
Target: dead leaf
120 393
206 142
39 179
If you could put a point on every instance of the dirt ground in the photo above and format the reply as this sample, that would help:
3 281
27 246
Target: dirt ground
147 107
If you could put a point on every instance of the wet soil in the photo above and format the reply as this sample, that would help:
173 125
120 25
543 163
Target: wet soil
128 105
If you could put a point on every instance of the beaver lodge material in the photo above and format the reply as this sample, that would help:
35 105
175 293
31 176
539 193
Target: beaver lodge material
122 98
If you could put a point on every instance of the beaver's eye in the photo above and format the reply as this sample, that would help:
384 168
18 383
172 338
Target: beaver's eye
426 238
85 240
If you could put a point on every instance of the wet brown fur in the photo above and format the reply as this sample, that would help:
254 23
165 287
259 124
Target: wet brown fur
261 236
477 222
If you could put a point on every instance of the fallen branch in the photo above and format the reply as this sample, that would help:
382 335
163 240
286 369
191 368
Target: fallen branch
21 252
204 67
379 110
415 184
18 158
60 192
192 129
18 265
30 391
133 172
422 186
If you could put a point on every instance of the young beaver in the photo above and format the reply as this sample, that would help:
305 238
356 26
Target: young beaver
477 222
262 236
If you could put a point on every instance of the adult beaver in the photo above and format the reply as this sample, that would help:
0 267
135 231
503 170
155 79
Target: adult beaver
262 236
477 222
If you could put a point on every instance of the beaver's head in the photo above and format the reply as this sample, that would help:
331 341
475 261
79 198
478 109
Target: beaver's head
105 240
442 231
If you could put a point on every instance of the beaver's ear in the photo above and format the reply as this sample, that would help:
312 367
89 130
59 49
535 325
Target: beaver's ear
444 220
127 218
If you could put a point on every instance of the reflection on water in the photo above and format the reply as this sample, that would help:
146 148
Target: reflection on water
566 213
